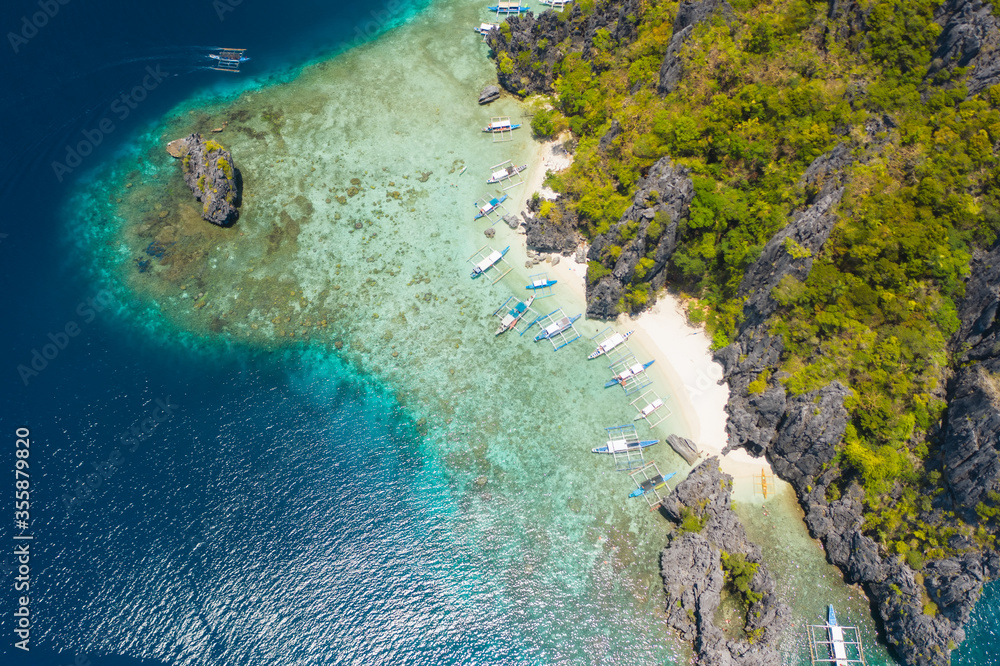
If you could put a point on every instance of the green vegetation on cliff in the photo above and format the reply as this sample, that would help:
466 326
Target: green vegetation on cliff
766 90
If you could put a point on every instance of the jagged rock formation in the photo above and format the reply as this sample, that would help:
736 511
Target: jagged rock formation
689 14
971 438
694 579
659 205
212 175
798 433
970 37
545 37
555 232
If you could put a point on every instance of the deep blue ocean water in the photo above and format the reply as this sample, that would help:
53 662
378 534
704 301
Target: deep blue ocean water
284 511
278 512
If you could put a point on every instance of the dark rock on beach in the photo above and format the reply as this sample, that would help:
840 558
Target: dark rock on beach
659 205
212 175
692 567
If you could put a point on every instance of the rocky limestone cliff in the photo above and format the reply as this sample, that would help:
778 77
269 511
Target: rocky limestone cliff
689 14
650 224
544 38
798 433
694 578
212 175
970 38
970 447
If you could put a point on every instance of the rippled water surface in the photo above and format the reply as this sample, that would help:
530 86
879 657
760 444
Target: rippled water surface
355 470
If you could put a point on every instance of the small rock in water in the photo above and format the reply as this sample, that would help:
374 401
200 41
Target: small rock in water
581 255
511 221
555 259
358 225
490 232
481 481
528 264
489 94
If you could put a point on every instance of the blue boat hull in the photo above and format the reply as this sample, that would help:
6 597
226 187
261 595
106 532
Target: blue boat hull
639 492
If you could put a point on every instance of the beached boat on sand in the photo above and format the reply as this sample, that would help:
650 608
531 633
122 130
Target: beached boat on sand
556 327
489 207
488 262
610 343
515 314
627 373
505 173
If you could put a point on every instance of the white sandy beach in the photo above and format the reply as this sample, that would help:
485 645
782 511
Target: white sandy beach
685 367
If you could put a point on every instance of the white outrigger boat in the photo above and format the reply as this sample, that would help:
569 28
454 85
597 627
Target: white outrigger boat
542 283
228 60
508 7
609 343
628 373
649 409
556 327
837 643
513 316
485 28
506 173
501 125
488 262
623 444
489 207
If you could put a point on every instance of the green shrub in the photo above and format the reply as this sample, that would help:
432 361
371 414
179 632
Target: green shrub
595 271
506 64
759 385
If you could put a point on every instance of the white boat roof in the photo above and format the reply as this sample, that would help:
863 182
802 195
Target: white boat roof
557 325
613 341
538 283
486 27
652 407
500 174
837 640
500 123
493 258
617 444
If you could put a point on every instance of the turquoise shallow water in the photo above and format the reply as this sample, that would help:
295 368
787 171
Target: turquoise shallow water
350 259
